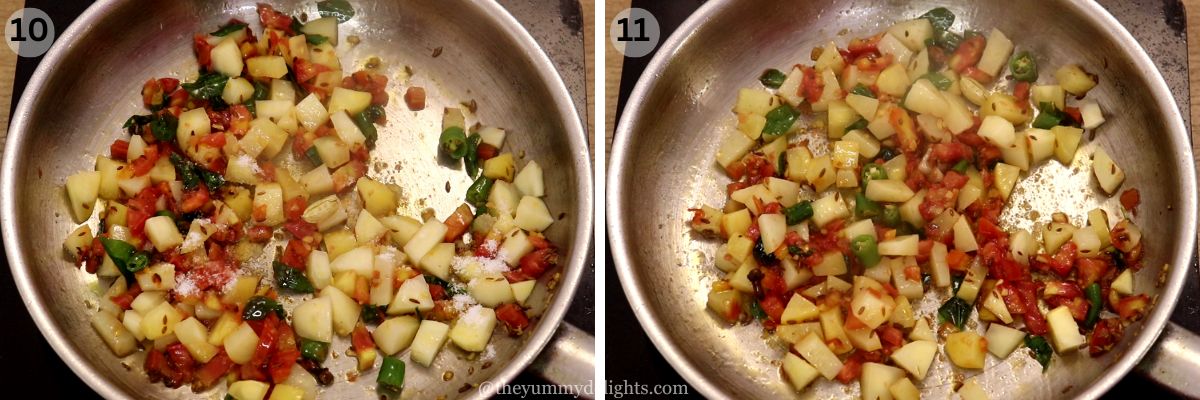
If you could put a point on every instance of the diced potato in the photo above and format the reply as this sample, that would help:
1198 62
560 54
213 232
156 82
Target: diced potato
194 336
1108 174
1006 178
1002 340
1005 106
503 199
317 181
910 211
359 260
284 391
268 197
912 33
900 246
396 334
324 26
1124 283
266 67
784 191
790 89
1064 330
344 310
798 372
972 283
109 170
311 113
1091 113
1052 94
516 245
908 288
733 148
868 307
1040 143
193 123
368 229
79 239
971 390
529 180
1066 139
1022 246
863 339
1087 244
995 54
890 44
840 115
798 310
412 296
751 125
903 389
227 58
1074 79
351 101
893 80
995 304
891 191
313 319
82 190
725 303
966 349
863 105
915 357
492 135
248 390
829 208
867 146
773 228
437 261
158 277
877 378
532 215
754 101
473 329
1017 154
813 349
402 228
332 151
1055 234
997 131
924 98
830 59
114 334
162 232
160 321
346 129
500 167
430 337
430 234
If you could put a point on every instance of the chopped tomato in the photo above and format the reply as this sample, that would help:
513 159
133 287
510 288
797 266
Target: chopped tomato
370 82
1106 334
537 262
1090 270
296 254
125 300
1130 199
1132 307
285 355
873 62
958 260
513 317
906 131
203 50
1063 260
437 292
274 19
773 306
259 233
851 369
977 74
360 338
811 85
968 53
213 370
414 97
195 199
119 150
294 208
300 229
862 46
458 223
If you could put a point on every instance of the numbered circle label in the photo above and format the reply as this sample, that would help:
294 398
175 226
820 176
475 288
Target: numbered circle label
634 32
29 32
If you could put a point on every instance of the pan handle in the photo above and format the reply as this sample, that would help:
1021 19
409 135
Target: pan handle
569 360
1173 362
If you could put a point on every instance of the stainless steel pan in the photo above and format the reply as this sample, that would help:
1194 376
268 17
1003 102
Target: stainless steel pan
89 83
663 163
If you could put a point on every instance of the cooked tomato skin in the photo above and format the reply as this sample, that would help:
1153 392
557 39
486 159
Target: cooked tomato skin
513 317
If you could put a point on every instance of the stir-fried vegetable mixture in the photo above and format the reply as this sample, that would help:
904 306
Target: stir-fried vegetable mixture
271 143
829 246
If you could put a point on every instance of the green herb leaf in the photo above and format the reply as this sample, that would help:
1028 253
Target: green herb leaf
961 166
163 126
947 40
938 80
955 311
291 278
315 39
187 171
313 156
862 90
229 28
779 121
860 124
120 252
340 9
258 307
756 310
940 17
772 78
956 282
366 123
1041 350
135 121
1048 116
208 86
372 314
211 179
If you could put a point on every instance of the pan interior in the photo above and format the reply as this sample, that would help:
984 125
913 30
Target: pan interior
461 52
672 129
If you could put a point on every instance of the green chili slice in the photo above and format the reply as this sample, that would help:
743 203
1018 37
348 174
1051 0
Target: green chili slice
862 91
291 278
865 208
1023 67
1041 350
798 212
314 350
454 142
866 250
1097 303
1048 116
391 374
961 166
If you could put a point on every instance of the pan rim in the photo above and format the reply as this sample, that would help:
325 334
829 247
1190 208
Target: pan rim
581 238
1152 325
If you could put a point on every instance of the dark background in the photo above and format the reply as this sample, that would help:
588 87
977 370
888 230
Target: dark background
639 361
27 356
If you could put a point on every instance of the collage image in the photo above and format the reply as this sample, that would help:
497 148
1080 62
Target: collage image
582 199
